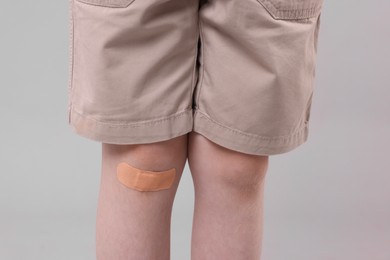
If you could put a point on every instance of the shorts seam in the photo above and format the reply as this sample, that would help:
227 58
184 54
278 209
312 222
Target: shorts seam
291 13
262 137
194 67
201 35
138 123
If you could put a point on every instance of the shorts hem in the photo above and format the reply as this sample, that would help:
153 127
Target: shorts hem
148 131
245 142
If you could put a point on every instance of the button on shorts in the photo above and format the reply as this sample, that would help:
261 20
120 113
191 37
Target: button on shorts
239 72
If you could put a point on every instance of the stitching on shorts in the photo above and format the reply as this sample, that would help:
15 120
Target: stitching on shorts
139 123
194 68
235 131
297 13
202 61
290 13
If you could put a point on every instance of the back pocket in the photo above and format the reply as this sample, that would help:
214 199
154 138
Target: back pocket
292 9
108 3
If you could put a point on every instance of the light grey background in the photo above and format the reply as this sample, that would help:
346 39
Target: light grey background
327 200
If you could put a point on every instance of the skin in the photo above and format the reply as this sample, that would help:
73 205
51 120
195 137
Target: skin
228 213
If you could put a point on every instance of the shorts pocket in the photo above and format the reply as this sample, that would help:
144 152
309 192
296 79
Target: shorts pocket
292 9
108 3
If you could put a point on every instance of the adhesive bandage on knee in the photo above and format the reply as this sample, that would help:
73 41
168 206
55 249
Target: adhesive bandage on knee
143 180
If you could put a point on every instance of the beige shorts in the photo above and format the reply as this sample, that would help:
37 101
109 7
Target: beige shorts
239 72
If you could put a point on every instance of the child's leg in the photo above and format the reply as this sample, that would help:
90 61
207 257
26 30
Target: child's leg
134 224
229 188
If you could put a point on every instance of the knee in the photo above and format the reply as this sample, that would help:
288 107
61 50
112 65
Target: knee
145 167
245 175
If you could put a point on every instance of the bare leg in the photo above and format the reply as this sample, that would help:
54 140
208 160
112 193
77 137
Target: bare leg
131 224
228 214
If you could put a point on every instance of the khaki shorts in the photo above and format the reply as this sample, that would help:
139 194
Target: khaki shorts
239 72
